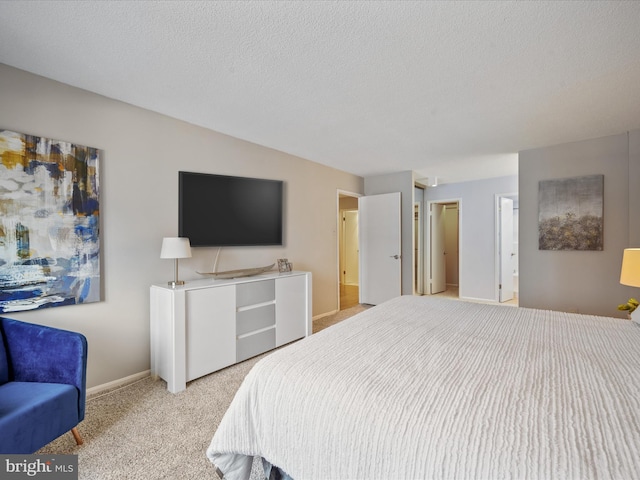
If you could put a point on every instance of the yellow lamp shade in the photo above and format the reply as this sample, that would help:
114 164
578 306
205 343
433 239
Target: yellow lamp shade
630 273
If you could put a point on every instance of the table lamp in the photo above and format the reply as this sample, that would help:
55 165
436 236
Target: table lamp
175 247
630 273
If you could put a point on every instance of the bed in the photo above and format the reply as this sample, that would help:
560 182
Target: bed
433 388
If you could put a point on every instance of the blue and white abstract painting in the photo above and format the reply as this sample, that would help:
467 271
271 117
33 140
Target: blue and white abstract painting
49 223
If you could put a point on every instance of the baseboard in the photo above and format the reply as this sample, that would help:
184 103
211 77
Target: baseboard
105 387
99 389
322 315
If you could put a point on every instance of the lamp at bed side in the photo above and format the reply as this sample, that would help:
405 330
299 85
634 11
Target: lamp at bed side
175 247
630 275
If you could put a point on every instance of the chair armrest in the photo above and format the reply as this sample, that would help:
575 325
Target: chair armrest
37 353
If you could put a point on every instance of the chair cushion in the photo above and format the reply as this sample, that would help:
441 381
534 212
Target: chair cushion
34 414
37 353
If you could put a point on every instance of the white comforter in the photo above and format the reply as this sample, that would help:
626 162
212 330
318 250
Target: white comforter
428 388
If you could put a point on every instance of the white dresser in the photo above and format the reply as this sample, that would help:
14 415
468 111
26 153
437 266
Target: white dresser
205 325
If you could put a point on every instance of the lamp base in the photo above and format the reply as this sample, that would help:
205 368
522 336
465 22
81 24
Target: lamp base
175 283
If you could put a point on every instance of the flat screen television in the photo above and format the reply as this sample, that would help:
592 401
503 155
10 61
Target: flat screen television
220 210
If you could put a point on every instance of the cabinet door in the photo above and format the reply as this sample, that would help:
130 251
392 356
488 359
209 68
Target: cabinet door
211 330
291 308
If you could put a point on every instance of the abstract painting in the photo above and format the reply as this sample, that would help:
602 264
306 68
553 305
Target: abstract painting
570 213
49 223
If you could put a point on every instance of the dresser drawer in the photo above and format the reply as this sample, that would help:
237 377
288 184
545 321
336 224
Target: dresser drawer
254 319
252 345
252 293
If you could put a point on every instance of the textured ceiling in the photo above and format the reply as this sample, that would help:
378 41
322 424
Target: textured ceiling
448 89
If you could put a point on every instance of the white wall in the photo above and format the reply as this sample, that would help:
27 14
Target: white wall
142 154
634 191
583 281
477 224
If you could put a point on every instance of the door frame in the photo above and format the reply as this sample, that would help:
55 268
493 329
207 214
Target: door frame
427 241
437 249
339 193
498 196
419 241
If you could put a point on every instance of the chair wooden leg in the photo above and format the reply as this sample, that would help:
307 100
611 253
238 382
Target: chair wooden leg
76 435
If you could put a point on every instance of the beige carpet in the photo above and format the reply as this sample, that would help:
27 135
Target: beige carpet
324 322
143 432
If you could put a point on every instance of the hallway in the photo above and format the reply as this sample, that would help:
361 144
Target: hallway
349 296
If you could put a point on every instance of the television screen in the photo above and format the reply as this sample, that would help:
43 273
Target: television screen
220 210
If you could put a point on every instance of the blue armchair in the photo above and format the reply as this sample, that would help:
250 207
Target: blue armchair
43 374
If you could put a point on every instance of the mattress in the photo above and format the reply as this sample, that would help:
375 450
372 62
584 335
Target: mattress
433 388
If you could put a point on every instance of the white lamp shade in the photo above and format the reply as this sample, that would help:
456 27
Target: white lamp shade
630 273
175 247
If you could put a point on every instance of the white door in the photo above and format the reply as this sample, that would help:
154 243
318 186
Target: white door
350 247
438 264
380 247
505 288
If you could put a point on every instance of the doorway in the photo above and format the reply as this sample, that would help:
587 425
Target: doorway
443 247
348 253
507 284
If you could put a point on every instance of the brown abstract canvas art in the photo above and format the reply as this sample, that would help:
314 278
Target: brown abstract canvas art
570 213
